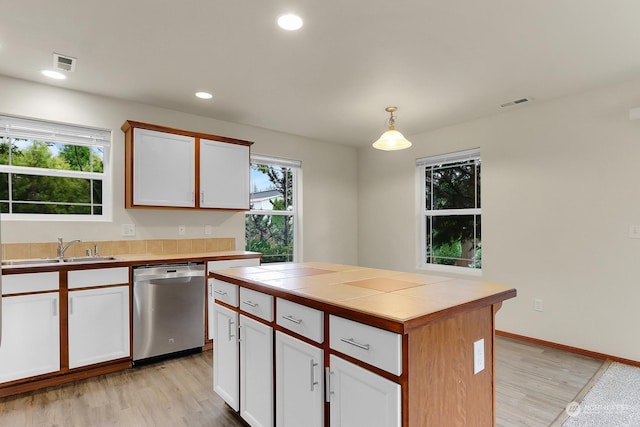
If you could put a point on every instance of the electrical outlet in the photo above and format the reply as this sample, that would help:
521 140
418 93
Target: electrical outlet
128 229
478 356
207 230
538 304
634 231
182 230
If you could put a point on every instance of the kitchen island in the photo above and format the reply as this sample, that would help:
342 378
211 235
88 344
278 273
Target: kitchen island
382 348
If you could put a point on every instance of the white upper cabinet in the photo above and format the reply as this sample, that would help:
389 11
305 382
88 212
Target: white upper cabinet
163 169
171 168
224 175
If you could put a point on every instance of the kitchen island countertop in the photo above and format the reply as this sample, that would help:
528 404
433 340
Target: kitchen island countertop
407 300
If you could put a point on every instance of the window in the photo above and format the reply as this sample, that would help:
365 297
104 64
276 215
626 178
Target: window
272 224
450 210
52 170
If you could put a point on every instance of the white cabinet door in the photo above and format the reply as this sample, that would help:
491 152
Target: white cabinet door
98 325
224 175
226 369
30 336
229 294
362 398
299 384
163 169
256 373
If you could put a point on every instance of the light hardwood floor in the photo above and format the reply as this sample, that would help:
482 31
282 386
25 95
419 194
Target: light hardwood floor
534 384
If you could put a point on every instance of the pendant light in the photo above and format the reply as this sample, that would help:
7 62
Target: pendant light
391 139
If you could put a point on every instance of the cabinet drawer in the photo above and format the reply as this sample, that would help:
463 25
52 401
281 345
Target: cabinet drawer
29 282
369 344
230 263
300 319
225 292
98 277
256 303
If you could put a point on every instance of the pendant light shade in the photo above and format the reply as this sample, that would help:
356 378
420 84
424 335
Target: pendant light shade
391 139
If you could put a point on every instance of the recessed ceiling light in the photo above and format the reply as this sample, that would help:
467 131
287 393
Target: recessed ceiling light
290 22
204 95
54 74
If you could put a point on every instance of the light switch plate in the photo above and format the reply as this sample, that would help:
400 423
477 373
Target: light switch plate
478 356
634 231
128 229
182 230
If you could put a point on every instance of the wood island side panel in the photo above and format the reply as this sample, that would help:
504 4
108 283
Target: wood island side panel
442 388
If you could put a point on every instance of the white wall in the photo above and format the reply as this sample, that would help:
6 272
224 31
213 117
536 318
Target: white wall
329 175
560 188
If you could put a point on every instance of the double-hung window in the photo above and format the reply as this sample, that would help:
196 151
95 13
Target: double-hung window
272 225
53 170
450 210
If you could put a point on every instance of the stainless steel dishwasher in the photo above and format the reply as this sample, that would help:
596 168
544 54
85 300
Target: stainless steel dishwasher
168 310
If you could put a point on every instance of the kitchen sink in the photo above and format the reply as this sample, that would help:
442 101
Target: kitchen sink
30 261
89 258
38 261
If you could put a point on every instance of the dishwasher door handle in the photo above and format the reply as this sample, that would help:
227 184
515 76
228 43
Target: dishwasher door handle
167 275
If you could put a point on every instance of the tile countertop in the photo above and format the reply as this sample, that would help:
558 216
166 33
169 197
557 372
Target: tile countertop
407 299
138 259
212 256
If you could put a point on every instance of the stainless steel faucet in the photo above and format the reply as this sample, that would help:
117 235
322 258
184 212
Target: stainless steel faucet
62 248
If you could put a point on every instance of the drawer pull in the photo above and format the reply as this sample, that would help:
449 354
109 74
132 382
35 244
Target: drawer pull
250 303
290 318
219 292
355 343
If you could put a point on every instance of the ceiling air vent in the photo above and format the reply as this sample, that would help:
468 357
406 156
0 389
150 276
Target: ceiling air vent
516 102
64 63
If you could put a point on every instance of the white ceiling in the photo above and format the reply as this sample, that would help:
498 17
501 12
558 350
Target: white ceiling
439 61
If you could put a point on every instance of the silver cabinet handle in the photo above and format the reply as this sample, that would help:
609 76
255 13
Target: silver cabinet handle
327 384
250 303
312 366
231 334
70 305
202 197
355 343
219 292
290 318
55 307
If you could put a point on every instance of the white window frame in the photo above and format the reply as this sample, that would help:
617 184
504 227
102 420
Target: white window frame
296 211
47 131
423 213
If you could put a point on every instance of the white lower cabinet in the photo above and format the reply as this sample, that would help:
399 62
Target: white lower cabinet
229 296
30 336
256 372
98 325
226 367
359 397
299 383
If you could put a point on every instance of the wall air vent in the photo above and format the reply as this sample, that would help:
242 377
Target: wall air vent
64 63
516 102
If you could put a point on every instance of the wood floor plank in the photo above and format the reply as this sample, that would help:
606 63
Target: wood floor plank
534 384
